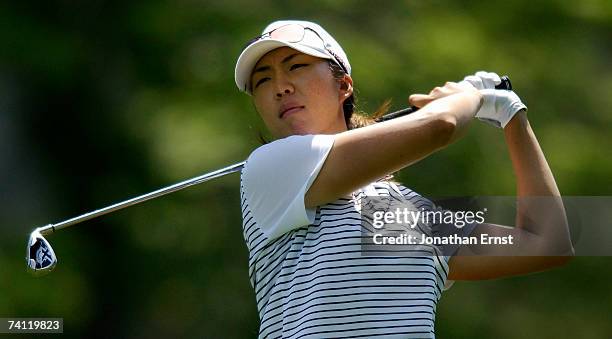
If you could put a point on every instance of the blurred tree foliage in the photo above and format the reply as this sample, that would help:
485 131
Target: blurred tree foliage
104 100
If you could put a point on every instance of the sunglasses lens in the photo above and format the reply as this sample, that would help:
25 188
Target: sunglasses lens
289 33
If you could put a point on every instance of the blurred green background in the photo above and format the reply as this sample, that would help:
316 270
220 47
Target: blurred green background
104 100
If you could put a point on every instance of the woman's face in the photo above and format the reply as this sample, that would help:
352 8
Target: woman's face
295 93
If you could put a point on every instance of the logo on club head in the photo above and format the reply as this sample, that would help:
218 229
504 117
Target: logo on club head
43 255
40 257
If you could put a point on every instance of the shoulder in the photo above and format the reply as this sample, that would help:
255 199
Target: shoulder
290 145
294 154
277 176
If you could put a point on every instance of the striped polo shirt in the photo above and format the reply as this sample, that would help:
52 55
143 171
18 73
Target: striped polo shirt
310 275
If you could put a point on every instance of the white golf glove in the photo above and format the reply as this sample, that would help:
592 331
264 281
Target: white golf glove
499 105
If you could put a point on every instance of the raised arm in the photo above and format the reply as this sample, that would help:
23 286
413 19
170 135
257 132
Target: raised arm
541 235
363 155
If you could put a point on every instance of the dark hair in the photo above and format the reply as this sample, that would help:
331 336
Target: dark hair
353 117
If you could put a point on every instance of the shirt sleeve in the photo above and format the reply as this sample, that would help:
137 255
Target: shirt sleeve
276 177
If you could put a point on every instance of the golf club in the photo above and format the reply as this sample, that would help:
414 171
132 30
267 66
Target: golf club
41 258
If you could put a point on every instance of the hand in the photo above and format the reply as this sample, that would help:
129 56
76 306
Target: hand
499 106
454 105
450 88
483 80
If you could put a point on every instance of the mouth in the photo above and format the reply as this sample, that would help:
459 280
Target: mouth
286 111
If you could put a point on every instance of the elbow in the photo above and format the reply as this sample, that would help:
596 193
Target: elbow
562 259
569 255
558 252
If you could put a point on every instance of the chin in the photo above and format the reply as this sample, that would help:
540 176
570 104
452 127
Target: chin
300 130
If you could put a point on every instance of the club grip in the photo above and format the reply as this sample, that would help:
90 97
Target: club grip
505 84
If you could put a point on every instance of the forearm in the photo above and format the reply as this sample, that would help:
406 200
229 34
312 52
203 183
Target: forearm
533 175
387 147
363 155
540 209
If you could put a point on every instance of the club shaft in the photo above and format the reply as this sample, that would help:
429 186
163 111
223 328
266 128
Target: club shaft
505 84
136 200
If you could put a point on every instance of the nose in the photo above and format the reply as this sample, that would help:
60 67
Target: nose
283 87
280 94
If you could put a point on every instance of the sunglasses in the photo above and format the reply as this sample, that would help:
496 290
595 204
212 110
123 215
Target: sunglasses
294 33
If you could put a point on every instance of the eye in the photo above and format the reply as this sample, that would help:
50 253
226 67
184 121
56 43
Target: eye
261 81
294 66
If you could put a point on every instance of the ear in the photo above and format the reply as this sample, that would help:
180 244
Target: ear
346 86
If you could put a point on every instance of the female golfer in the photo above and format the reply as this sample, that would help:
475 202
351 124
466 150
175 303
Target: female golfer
301 193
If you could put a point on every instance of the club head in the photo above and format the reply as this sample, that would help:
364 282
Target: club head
40 257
